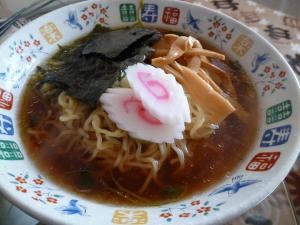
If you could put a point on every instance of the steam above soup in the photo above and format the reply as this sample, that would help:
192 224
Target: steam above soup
137 116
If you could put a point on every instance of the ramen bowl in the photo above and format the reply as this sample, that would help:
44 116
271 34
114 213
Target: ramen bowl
271 157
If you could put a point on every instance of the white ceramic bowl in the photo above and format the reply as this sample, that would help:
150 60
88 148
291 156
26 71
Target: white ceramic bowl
273 154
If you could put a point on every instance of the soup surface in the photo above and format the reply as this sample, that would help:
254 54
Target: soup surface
211 159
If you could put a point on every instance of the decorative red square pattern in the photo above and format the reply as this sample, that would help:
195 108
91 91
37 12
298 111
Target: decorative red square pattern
171 15
6 99
263 161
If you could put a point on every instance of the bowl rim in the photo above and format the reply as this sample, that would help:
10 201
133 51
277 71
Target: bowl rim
255 199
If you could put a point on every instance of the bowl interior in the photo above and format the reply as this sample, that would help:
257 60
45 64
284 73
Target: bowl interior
273 153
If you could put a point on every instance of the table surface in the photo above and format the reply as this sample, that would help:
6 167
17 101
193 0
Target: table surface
290 7
275 21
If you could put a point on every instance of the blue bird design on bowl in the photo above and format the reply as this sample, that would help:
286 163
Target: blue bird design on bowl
192 23
73 208
237 184
260 59
73 20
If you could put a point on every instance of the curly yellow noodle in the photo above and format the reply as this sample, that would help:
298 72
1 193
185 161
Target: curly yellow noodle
98 136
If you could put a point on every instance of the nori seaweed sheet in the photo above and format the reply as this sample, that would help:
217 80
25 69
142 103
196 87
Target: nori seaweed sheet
88 69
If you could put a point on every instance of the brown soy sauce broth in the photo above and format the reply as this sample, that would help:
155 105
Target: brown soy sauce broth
212 159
